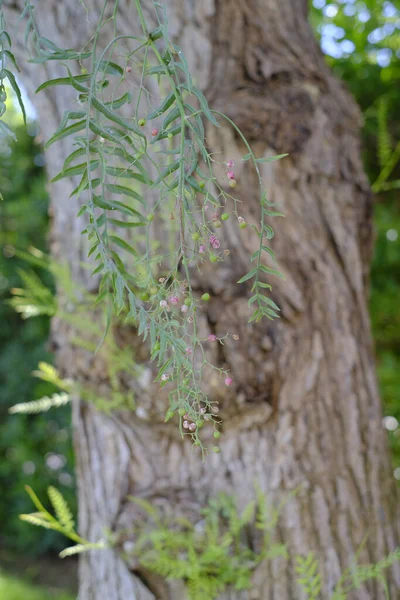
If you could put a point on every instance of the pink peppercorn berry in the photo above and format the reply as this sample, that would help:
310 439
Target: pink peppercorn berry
186 424
230 163
188 351
201 250
184 308
215 243
228 381
164 377
163 304
192 427
174 300
154 132
230 175
212 338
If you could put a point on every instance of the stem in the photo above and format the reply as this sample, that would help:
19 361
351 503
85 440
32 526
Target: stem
141 17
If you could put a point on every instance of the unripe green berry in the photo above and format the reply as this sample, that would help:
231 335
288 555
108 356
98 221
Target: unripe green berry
206 297
153 290
156 346
216 450
150 217
217 224
170 136
188 302
243 225
182 412
145 296
217 434
225 216
195 236
197 443
199 424
202 185
213 258
232 183
142 122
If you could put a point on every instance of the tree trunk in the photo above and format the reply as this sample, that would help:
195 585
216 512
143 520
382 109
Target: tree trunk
304 411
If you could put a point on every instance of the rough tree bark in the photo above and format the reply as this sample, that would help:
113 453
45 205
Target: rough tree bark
304 409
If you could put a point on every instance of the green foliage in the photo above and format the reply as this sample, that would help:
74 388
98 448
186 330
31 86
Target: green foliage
62 522
129 177
212 555
308 576
35 450
371 70
12 588
7 58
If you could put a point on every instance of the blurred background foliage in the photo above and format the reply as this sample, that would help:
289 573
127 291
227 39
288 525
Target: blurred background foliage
361 40
34 450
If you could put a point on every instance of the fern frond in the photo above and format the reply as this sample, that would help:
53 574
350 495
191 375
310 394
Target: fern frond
61 509
34 519
384 140
49 373
34 299
309 577
41 405
79 548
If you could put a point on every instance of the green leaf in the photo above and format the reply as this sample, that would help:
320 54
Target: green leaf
74 128
115 205
119 294
83 184
271 213
106 66
157 70
204 105
76 170
118 102
168 171
62 81
15 87
248 275
104 133
70 115
125 224
121 189
157 33
112 116
266 286
170 118
167 103
61 509
38 521
121 173
35 499
76 154
10 57
132 308
268 159
122 244
269 232
268 300
270 271
6 130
